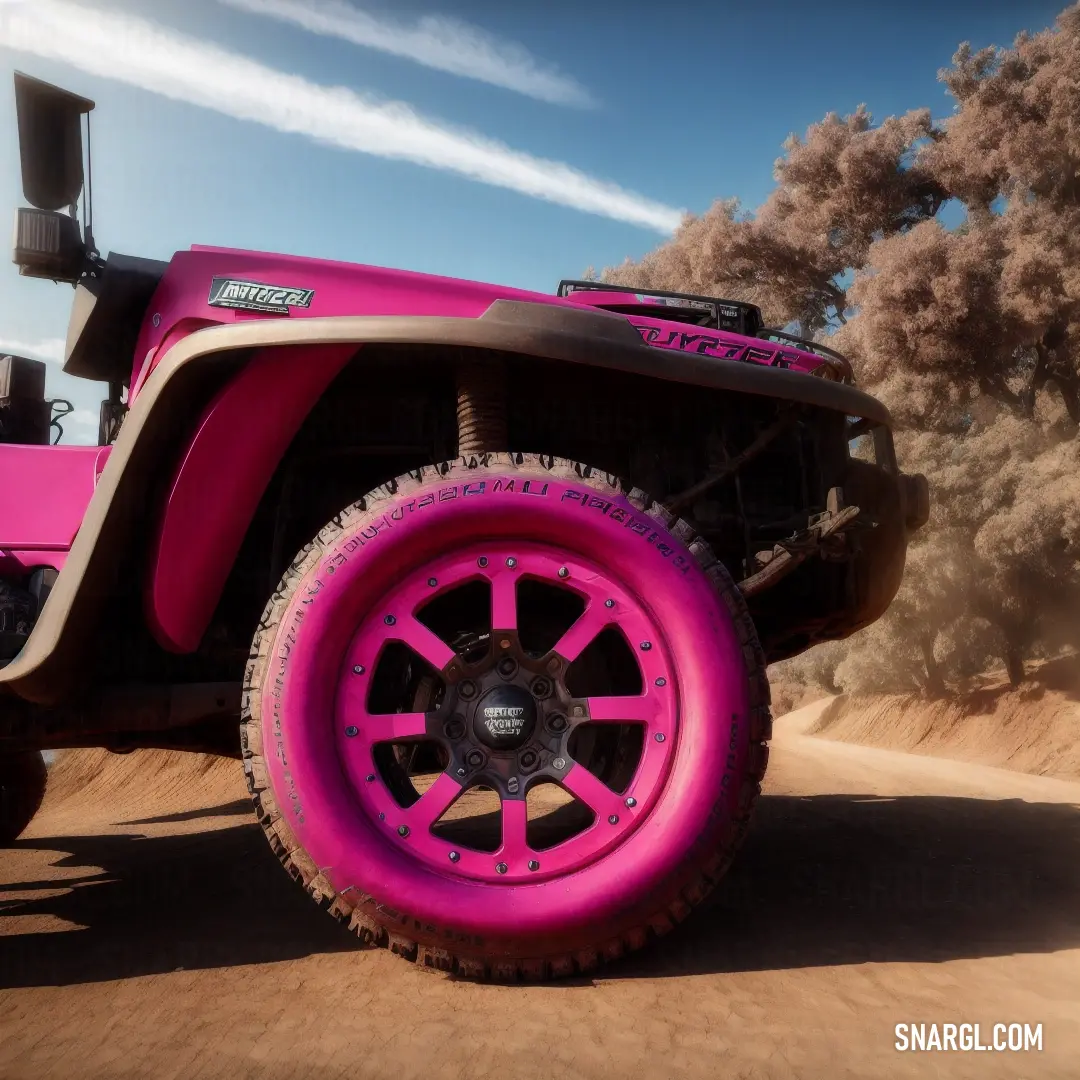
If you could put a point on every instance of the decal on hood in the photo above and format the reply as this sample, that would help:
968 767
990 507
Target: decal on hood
255 296
710 344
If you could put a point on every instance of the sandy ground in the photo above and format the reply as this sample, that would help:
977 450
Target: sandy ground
147 932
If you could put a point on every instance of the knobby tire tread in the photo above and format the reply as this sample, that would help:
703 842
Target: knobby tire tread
579 962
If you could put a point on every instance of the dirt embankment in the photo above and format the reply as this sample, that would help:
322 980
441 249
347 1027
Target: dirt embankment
1033 728
147 783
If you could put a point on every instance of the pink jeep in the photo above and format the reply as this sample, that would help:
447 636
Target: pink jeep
480 584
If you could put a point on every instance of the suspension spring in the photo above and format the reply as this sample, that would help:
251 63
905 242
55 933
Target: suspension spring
481 406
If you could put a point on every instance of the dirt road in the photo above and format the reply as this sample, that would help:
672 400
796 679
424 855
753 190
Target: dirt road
154 936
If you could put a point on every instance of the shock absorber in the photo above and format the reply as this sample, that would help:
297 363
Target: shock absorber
481 405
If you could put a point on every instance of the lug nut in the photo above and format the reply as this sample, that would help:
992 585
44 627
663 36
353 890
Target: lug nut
467 689
528 759
507 666
557 722
475 758
541 688
500 868
455 727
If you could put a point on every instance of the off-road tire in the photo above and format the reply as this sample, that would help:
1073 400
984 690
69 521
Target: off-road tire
400 934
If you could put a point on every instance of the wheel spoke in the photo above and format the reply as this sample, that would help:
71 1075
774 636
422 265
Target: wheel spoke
434 802
632 709
400 726
422 641
504 600
380 727
514 820
592 792
584 631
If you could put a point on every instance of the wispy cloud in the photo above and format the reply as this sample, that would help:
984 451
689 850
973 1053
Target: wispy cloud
79 427
165 62
51 350
81 418
438 42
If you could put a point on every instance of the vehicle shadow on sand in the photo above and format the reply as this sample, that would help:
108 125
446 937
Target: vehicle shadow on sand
236 808
823 879
850 879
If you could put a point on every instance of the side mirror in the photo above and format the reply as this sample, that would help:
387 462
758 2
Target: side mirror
50 142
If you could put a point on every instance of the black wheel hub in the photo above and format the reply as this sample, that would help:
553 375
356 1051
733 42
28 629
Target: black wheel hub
504 718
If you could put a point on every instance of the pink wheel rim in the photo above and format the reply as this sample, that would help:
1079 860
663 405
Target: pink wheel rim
484 711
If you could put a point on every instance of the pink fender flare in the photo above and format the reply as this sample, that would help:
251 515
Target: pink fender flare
238 444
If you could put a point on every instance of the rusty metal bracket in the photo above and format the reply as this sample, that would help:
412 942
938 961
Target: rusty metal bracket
790 554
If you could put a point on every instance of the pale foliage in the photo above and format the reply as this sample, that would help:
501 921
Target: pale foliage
971 336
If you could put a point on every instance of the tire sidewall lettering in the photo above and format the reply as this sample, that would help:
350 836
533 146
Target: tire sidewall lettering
616 509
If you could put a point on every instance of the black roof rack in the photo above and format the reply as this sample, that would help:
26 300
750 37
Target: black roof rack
727 314
839 363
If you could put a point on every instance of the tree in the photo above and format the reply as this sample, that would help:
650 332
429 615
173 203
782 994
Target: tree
1003 545
838 188
1015 138
970 335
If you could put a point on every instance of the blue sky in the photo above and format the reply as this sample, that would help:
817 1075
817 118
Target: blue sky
676 104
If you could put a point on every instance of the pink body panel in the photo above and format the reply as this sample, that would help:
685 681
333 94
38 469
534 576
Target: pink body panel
44 492
240 438
340 289
243 433
181 304
252 421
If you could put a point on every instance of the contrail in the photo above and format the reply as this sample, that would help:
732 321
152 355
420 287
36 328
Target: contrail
162 61
435 41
